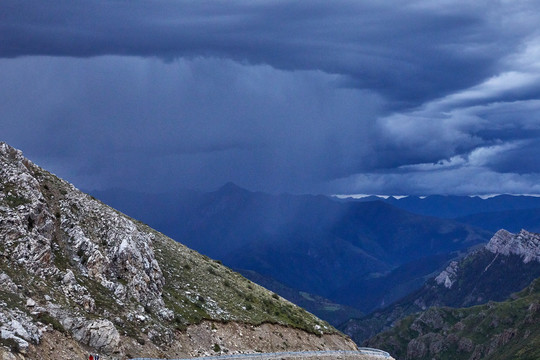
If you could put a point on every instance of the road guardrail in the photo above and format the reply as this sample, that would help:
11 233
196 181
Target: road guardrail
360 351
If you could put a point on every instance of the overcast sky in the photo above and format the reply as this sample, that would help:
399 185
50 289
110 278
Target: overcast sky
385 97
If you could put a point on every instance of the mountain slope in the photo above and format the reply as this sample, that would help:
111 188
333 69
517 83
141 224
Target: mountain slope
495 331
334 313
310 243
77 276
511 220
507 264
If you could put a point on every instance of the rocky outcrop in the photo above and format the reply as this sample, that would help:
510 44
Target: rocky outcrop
76 272
45 224
524 244
20 329
448 276
507 264
27 224
98 334
110 249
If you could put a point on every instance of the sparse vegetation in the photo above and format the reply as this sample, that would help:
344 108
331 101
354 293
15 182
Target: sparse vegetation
15 201
12 300
60 260
241 299
495 331
48 319
11 344
193 288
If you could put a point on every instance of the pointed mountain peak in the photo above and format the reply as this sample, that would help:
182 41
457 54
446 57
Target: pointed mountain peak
10 152
231 187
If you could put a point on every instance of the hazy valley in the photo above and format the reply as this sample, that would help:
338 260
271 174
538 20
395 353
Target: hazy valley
337 257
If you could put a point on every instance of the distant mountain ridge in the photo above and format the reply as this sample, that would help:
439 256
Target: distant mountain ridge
452 206
507 264
311 243
511 212
525 244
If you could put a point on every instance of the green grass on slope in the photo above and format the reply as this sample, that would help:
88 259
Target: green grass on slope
495 331
198 288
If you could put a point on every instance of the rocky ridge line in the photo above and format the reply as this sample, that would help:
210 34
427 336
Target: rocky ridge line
524 244
507 264
75 272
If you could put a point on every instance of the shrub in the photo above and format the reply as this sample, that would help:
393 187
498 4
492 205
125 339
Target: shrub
48 319
11 344
14 201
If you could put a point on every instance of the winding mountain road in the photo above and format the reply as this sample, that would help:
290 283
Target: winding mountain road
362 353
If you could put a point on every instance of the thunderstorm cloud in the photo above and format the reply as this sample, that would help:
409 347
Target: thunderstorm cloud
395 97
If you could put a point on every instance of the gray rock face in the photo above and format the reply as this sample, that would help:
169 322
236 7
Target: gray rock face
448 276
524 244
27 223
108 246
111 250
75 272
18 327
6 284
104 245
99 334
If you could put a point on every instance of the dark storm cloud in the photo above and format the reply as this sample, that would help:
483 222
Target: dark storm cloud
191 123
486 149
520 160
409 51
381 97
481 139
